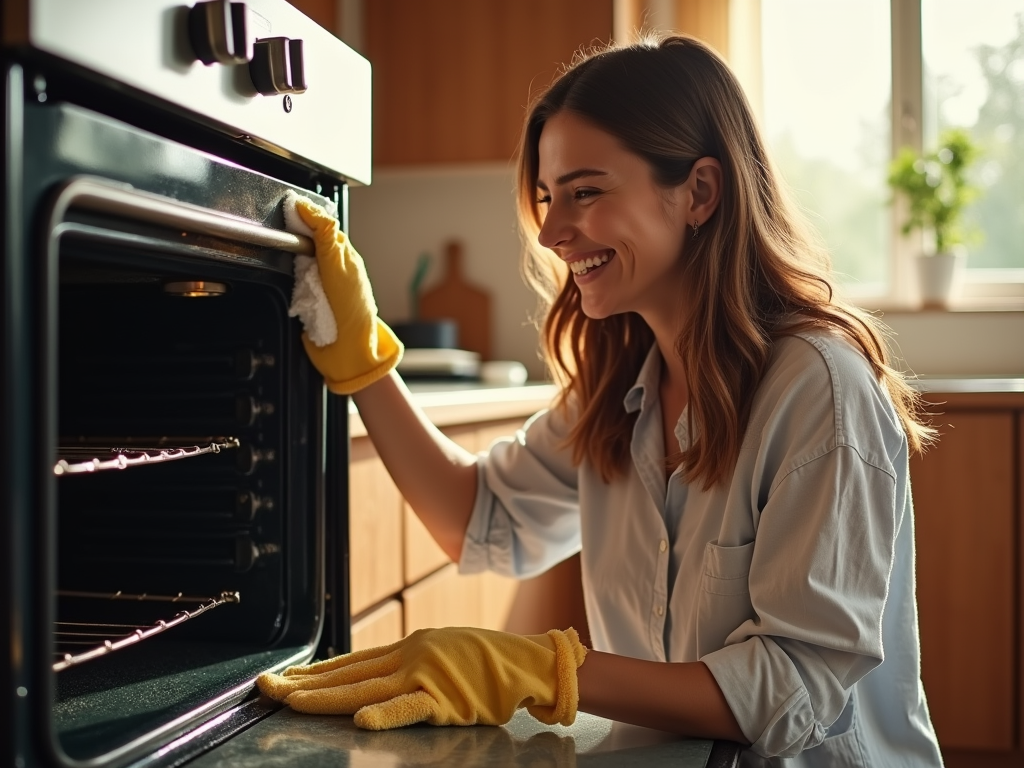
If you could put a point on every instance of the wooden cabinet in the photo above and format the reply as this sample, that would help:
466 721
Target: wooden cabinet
446 599
967 497
452 78
381 626
375 529
402 581
323 12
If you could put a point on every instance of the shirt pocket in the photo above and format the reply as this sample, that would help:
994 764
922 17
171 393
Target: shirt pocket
724 601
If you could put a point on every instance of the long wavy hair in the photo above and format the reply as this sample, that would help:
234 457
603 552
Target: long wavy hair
753 275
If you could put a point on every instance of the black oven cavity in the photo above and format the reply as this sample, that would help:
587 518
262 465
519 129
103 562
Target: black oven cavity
174 474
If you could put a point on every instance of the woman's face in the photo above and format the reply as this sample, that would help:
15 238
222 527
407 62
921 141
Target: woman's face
620 233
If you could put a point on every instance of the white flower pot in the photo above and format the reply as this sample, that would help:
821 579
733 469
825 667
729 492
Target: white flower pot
939 278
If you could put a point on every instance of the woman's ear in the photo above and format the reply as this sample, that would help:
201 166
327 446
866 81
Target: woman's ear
705 187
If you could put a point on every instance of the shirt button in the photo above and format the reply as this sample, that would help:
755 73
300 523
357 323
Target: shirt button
660 610
662 545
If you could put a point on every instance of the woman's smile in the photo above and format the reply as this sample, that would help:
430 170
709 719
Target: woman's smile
588 264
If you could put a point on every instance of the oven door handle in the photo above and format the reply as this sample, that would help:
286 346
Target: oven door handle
102 196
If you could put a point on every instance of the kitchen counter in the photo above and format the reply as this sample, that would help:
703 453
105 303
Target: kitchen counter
287 738
984 393
450 403
969 384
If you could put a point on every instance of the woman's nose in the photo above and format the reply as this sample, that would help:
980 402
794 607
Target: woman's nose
556 228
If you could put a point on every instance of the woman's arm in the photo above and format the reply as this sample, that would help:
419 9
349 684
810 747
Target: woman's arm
679 697
435 475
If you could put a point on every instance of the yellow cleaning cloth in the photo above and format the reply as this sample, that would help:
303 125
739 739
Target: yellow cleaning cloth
366 349
450 676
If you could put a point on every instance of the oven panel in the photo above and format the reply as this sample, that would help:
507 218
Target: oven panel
149 585
327 124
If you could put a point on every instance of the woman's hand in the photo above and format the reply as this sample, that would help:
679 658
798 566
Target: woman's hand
366 349
451 676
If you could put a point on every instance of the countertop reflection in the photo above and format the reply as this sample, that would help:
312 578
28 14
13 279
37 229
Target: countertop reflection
304 741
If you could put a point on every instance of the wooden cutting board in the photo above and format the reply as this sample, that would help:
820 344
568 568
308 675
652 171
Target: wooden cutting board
467 304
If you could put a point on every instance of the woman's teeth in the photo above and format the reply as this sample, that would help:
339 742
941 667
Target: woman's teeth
583 266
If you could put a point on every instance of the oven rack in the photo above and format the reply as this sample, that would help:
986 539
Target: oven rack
100 639
121 454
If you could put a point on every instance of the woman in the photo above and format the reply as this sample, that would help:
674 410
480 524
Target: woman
729 452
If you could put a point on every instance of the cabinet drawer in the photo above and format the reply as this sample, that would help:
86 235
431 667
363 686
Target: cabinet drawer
964 512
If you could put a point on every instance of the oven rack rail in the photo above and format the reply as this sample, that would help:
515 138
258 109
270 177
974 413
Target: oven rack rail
83 459
100 639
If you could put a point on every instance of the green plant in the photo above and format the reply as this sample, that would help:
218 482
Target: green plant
936 186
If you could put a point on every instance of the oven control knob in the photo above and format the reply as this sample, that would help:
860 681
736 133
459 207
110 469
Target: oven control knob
277 66
217 31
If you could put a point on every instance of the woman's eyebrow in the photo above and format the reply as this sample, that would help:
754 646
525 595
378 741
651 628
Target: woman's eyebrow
580 173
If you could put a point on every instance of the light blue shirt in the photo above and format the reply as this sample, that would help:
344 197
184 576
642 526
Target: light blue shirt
793 581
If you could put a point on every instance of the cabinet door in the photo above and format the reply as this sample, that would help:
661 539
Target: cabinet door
1020 580
452 78
964 499
375 529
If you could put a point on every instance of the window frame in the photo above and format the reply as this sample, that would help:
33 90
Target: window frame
982 288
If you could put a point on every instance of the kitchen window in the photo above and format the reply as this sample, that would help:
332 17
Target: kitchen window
831 75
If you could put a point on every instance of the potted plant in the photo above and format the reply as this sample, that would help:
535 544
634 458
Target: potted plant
936 188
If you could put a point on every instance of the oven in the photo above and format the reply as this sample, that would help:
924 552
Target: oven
173 472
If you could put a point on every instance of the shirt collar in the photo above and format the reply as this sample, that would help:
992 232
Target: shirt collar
646 381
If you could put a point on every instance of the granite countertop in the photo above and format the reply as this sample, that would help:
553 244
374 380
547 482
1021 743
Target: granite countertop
307 741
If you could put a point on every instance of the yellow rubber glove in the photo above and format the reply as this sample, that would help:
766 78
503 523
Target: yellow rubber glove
450 676
366 349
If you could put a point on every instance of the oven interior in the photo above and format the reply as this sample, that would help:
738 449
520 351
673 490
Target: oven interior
196 554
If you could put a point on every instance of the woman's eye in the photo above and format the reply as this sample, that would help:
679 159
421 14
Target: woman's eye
544 200
586 192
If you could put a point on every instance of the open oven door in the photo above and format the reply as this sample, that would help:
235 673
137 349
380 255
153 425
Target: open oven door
175 471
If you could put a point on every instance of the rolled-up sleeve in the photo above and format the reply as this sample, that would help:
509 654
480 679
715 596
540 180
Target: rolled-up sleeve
526 516
819 578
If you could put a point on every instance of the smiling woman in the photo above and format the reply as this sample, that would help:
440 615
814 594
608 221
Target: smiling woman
728 453
755 265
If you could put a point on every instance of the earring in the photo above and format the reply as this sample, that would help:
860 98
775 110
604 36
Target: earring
696 229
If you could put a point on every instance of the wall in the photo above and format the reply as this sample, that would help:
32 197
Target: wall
410 210
959 343
406 212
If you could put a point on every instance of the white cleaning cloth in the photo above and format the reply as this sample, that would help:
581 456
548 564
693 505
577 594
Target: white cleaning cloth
309 302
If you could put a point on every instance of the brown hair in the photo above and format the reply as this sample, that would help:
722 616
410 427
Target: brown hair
755 273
